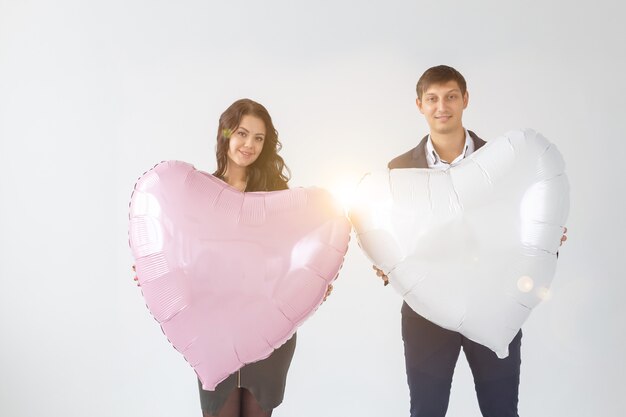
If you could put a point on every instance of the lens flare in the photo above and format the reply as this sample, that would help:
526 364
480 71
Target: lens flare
343 189
544 294
525 283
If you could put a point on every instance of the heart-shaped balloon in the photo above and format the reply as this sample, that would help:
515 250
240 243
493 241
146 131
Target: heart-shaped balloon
231 275
472 248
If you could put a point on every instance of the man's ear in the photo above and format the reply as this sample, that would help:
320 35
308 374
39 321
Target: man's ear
418 102
465 99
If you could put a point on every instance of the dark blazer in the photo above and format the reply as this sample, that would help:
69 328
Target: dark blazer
416 157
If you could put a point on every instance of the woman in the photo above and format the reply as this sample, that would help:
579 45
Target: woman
247 159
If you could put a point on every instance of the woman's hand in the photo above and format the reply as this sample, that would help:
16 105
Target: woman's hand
382 275
564 237
136 279
329 289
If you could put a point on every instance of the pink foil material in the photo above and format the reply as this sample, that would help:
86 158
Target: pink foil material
229 275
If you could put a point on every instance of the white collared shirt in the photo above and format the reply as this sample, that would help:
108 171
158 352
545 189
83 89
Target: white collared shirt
435 162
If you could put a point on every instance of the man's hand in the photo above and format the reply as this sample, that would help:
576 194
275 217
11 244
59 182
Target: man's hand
381 274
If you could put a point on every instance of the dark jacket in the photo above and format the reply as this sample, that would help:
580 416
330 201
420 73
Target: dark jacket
416 157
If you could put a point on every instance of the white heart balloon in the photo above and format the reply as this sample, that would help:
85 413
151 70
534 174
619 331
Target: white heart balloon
472 248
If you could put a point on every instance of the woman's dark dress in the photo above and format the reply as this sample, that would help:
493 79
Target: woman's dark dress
264 379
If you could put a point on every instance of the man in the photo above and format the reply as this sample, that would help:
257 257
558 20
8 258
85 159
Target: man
431 351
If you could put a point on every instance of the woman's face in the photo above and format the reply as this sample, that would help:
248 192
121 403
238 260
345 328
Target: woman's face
246 142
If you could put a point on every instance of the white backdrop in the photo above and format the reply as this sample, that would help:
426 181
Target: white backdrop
92 94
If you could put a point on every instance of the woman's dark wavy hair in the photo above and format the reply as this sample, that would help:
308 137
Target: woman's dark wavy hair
268 172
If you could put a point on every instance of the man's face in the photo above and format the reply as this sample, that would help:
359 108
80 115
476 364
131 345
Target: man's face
443 105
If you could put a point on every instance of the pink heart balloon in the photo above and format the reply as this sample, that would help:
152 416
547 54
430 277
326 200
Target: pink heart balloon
230 275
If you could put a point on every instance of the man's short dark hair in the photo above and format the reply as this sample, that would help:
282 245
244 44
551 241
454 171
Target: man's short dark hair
439 75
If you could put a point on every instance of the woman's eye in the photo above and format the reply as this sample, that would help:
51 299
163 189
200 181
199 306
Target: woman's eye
259 138
242 134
